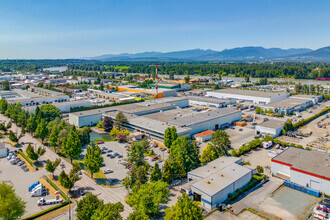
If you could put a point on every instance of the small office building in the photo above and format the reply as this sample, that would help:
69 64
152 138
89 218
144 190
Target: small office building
271 128
212 183
204 135
289 106
305 168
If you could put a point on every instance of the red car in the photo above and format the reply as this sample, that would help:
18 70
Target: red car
154 146
100 142
168 151
154 158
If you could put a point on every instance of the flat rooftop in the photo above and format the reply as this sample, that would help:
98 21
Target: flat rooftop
53 93
245 92
287 103
214 166
313 161
204 116
272 124
16 100
207 99
218 181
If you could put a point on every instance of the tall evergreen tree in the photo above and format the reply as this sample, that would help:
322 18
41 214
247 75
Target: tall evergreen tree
93 158
71 145
42 130
156 173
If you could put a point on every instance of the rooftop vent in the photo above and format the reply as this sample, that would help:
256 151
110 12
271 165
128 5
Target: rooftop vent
221 175
208 182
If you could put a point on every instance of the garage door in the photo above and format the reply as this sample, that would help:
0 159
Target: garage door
315 185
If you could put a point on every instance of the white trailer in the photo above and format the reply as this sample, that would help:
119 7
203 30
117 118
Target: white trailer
40 190
43 201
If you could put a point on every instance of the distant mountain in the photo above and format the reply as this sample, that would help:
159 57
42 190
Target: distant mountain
253 53
236 54
185 54
322 54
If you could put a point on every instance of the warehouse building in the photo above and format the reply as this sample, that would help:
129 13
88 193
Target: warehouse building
91 117
212 183
40 100
64 106
259 97
290 105
45 92
315 98
271 128
162 92
210 102
305 168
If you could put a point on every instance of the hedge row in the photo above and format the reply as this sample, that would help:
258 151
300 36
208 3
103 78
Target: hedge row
253 182
307 120
28 160
54 207
246 147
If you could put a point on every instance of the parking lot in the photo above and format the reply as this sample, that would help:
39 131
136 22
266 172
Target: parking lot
20 180
118 170
240 135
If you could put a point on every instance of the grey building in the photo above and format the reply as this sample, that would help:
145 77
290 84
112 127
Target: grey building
212 183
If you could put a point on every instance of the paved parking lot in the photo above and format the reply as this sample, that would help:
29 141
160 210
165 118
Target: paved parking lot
238 137
119 170
20 180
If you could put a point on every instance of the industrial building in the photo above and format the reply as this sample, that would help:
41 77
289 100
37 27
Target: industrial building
45 92
177 87
40 100
212 183
259 97
209 102
315 98
153 117
305 168
63 106
162 92
271 128
290 105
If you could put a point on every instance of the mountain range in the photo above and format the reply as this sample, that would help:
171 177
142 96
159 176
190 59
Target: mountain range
243 54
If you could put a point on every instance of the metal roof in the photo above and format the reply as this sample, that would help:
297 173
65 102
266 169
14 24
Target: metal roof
245 92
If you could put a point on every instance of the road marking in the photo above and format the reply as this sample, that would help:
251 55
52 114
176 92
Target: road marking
81 184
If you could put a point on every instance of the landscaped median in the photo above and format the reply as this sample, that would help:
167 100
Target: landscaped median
61 205
29 164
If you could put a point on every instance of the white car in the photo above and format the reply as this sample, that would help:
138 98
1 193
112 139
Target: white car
119 161
107 171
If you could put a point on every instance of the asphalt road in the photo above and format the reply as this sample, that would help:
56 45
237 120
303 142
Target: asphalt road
112 195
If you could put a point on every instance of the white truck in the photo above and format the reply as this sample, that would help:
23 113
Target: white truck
43 201
267 144
39 190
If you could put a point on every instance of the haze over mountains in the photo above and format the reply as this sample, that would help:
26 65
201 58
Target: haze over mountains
235 54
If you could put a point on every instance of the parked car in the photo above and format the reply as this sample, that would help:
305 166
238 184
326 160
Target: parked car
107 171
154 158
154 146
100 142
104 148
120 156
119 161
103 165
114 180
109 151
168 151
241 129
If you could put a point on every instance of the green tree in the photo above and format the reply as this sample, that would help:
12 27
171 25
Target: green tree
187 79
32 124
93 159
260 169
51 166
136 154
185 150
31 153
108 211
65 181
3 128
42 130
13 137
5 85
220 141
145 144
173 169
288 126
148 197
50 112
137 215
3 105
11 206
120 120
71 145
9 124
184 209
156 173
107 123
208 154
170 136
53 137
87 206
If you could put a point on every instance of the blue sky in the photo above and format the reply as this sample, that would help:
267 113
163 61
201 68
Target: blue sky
83 28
